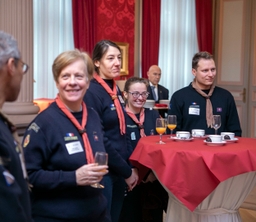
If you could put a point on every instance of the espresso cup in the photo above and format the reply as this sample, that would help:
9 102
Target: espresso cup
198 132
183 135
227 136
215 138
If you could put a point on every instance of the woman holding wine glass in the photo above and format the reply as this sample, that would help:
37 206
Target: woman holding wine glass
59 147
140 123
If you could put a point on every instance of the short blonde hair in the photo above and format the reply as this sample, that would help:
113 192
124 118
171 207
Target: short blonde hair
66 58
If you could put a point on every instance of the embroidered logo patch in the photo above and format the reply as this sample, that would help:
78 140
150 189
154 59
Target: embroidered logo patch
70 136
34 127
132 126
95 136
112 107
9 178
26 141
219 109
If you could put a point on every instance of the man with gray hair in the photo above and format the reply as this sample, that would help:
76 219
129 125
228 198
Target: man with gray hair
14 192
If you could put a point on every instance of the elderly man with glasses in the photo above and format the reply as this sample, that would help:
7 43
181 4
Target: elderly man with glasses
14 193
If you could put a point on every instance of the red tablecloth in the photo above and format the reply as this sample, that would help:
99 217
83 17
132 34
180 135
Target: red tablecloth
192 170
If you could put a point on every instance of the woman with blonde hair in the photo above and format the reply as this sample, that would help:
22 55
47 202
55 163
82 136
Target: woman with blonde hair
59 147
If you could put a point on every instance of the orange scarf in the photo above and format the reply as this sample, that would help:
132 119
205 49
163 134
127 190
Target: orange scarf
113 94
81 128
134 118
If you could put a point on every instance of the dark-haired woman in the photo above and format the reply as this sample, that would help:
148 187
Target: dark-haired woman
106 98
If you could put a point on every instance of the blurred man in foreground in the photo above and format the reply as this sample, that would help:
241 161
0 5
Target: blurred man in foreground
14 194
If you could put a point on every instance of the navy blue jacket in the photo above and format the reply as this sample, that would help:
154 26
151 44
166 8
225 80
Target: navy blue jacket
163 93
14 194
149 126
51 163
223 104
117 146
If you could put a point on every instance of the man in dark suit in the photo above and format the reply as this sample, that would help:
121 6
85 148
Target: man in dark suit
157 91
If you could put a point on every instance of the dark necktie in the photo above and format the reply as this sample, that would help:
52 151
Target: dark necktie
153 92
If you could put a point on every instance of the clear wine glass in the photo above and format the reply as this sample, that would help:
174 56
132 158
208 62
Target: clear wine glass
216 122
161 125
101 158
171 123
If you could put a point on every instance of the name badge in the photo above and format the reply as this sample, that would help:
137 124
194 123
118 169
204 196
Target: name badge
194 110
133 136
74 147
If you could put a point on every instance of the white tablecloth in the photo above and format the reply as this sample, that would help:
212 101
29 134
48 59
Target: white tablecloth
220 206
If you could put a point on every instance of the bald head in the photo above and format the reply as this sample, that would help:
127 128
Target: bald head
154 74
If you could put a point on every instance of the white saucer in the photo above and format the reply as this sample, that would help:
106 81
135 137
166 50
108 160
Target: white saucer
200 137
231 141
215 143
183 140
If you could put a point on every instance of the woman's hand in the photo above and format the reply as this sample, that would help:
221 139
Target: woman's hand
89 174
133 179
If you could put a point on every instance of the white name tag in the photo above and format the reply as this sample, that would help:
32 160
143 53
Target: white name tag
74 147
133 136
194 110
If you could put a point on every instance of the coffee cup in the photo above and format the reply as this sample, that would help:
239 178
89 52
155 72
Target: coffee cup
214 138
198 132
183 135
227 136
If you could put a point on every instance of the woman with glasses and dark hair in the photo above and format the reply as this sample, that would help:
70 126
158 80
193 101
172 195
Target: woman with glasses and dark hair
106 98
146 201
60 145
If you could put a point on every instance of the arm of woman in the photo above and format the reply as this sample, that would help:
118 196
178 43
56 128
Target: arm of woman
41 170
116 145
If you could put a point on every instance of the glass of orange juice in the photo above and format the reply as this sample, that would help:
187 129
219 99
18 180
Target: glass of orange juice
161 125
171 123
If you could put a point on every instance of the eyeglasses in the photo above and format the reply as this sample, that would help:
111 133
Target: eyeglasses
25 66
136 95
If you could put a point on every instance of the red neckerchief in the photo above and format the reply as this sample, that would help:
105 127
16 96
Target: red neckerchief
81 128
134 118
113 94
